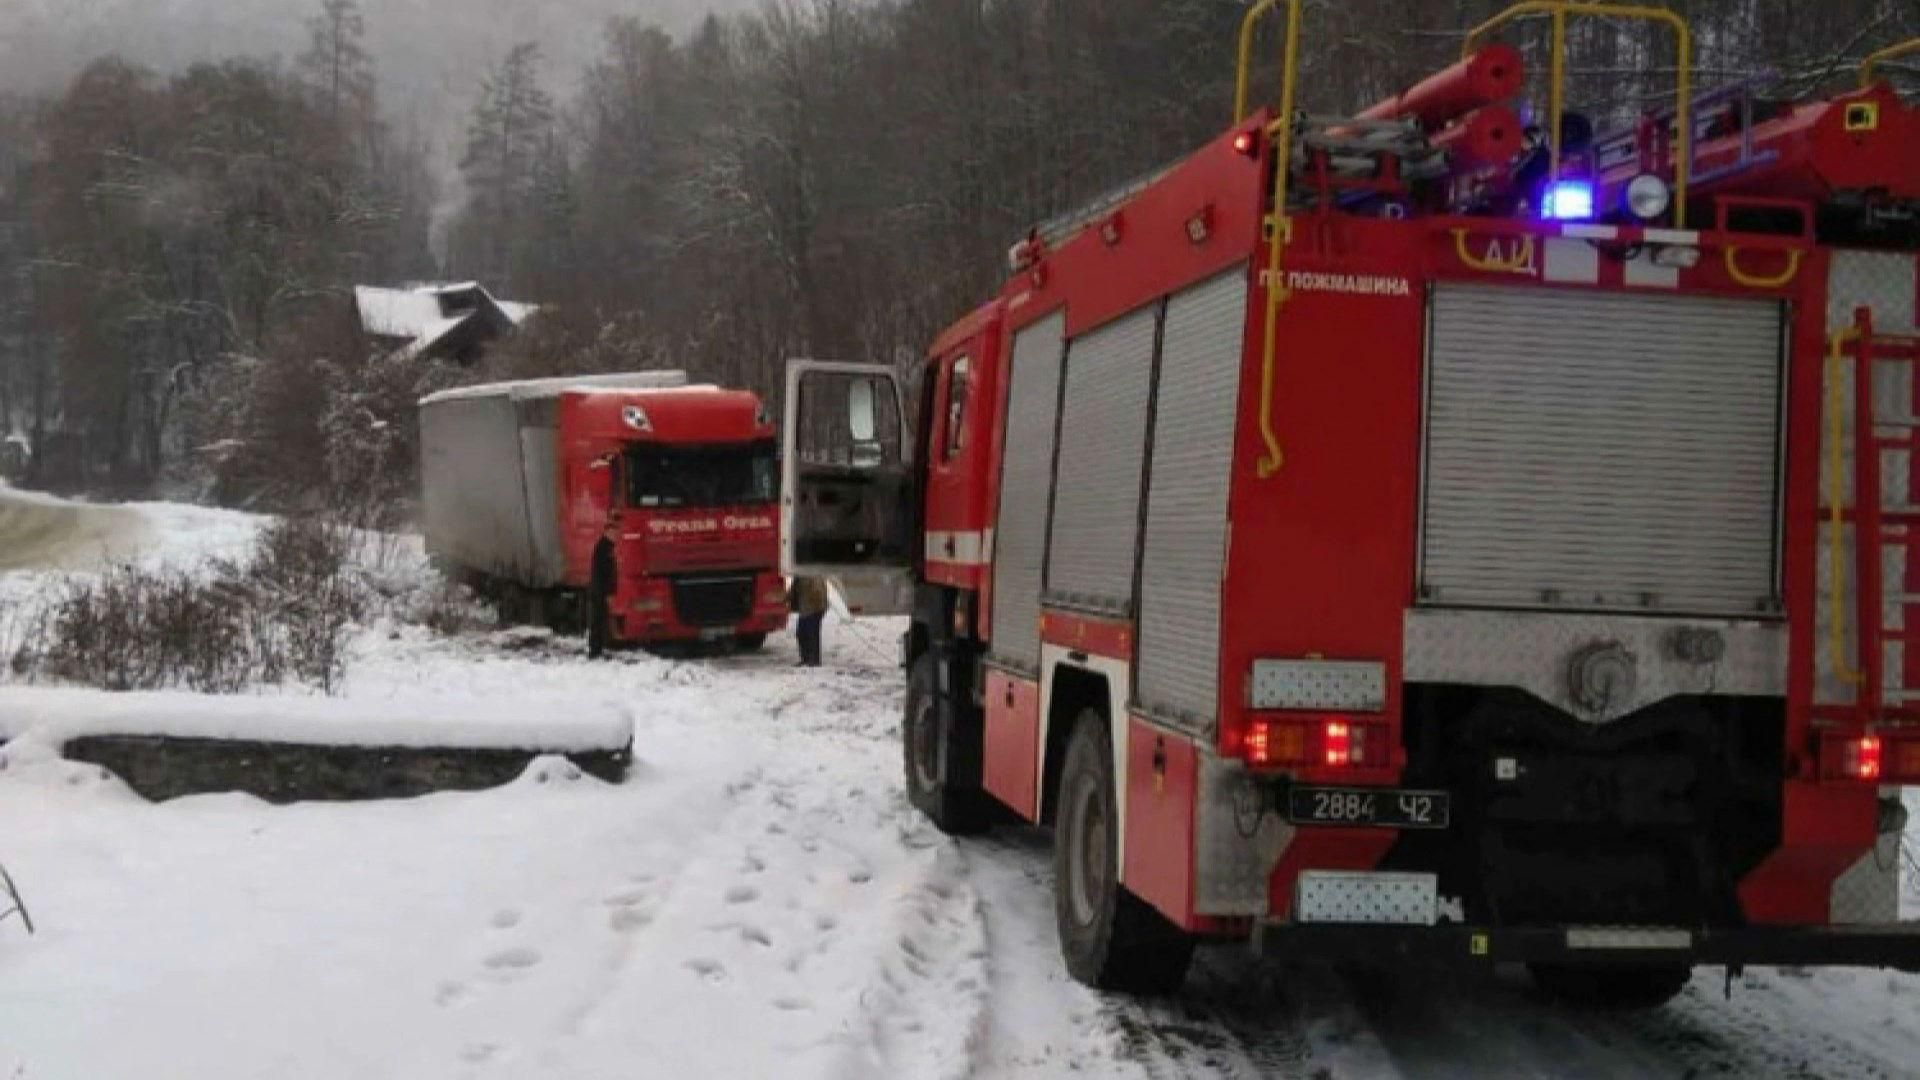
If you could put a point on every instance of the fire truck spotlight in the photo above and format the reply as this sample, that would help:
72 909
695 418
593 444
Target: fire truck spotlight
1567 200
1648 196
1245 143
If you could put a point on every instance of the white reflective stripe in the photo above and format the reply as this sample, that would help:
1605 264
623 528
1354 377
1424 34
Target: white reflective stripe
1670 236
1119 680
1571 260
1643 272
964 548
1628 937
1591 232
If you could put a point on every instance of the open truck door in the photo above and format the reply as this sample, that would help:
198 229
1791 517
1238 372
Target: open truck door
846 490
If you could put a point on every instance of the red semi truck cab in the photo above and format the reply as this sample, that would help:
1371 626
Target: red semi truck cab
1371 548
638 505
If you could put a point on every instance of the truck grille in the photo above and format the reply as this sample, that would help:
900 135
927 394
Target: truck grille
712 601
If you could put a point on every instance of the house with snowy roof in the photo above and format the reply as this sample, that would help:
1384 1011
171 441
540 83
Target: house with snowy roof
453 321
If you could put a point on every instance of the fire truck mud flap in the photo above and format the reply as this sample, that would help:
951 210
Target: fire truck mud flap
1891 945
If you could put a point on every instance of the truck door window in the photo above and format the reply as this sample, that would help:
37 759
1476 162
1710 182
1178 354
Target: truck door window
826 437
957 387
726 475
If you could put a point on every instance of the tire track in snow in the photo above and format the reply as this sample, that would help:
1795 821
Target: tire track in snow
928 1006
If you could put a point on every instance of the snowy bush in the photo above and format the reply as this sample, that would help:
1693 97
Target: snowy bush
282 615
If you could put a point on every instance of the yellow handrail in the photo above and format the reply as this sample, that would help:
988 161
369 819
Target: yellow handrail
1836 485
1520 262
1556 84
1911 45
1279 227
1760 281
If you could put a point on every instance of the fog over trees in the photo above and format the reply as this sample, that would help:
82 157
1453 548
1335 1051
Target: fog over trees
832 178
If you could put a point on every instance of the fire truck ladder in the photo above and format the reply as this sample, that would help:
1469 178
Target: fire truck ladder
1877 525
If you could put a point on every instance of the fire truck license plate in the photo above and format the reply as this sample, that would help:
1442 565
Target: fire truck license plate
1369 806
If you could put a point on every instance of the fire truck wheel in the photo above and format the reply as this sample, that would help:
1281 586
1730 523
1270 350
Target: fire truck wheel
597 615
1627 986
956 813
750 642
1111 939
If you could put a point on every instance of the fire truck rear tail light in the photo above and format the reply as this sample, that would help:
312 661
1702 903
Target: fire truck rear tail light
1324 741
1852 757
1338 739
1246 143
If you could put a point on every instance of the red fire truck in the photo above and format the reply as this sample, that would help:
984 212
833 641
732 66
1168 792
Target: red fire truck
636 504
1422 532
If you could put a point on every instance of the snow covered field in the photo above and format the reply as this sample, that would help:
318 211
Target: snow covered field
756 900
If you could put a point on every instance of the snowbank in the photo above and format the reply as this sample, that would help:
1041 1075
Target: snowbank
58 715
44 532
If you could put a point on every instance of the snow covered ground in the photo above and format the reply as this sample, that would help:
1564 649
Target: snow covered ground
756 900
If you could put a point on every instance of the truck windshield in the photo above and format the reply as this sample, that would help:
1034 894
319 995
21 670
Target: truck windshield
723 475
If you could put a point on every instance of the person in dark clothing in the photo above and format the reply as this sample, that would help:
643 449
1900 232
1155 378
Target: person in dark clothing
808 599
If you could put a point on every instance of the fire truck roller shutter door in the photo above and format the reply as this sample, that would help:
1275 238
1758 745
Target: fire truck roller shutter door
1185 544
1026 479
1103 435
1593 450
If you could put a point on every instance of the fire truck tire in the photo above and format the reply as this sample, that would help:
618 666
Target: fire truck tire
750 642
956 813
1111 939
597 628
1628 986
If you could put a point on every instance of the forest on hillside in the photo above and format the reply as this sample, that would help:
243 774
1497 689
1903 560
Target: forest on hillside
818 177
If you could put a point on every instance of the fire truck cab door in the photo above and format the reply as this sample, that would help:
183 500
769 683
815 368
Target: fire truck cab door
847 490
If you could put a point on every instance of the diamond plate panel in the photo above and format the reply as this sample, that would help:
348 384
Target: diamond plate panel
1237 841
1532 651
1881 280
1366 896
1360 685
1869 892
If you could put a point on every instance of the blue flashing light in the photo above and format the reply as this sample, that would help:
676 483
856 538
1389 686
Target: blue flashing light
1567 200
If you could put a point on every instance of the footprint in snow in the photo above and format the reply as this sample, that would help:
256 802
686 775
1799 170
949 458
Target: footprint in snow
518 958
742 894
791 1004
449 993
755 936
505 919
709 969
475 1053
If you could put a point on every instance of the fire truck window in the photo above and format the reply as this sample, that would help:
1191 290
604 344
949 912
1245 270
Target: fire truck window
669 476
826 437
957 387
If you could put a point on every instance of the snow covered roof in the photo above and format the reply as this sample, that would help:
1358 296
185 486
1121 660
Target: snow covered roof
524 389
424 315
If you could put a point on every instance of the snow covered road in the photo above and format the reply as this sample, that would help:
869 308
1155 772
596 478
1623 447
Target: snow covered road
756 900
